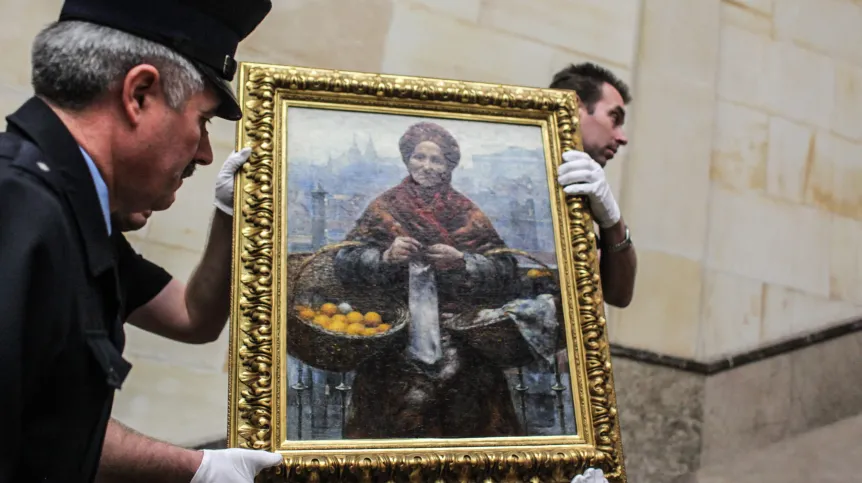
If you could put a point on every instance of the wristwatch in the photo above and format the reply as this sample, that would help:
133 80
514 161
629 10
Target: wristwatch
618 247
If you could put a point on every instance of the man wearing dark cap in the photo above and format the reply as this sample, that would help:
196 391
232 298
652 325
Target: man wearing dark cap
123 93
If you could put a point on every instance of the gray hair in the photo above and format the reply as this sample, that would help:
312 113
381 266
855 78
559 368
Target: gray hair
75 63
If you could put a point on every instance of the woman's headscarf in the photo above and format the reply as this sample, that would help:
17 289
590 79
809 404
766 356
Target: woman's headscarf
428 131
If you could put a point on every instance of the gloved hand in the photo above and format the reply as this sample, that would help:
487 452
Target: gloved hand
234 465
581 175
592 475
225 177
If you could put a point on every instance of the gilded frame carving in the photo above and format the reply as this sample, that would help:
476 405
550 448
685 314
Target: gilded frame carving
257 332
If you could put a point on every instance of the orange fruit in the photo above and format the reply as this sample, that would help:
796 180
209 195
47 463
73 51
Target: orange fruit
355 329
339 318
369 331
329 309
383 328
338 327
307 314
322 320
355 318
373 319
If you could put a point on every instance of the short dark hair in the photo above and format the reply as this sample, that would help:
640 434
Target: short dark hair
587 80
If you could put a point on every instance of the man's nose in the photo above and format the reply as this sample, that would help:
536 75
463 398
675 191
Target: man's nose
621 138
204 155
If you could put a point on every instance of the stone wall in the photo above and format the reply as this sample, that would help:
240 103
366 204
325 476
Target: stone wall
742 194
739 183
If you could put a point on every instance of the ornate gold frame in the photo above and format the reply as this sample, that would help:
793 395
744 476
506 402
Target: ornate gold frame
256 399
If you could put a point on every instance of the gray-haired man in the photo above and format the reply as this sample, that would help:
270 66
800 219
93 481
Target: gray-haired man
124 91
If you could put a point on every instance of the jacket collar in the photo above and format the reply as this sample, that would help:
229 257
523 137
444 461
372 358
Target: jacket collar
37 122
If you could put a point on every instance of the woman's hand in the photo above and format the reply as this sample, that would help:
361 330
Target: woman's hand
403 248
445 257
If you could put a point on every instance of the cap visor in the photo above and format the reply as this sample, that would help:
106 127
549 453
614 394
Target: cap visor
229 106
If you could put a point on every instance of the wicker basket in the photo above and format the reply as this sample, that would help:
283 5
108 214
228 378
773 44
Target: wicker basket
499 340
312 281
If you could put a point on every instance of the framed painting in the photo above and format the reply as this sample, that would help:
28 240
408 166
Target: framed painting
414 297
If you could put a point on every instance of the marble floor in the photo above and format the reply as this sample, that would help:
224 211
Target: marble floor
829 454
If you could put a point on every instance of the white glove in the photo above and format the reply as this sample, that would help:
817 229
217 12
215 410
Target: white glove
225 182
580 175
592 475
234 465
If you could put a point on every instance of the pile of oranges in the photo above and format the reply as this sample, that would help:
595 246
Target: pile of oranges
342 319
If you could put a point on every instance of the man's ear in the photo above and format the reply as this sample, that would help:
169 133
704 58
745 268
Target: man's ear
141 87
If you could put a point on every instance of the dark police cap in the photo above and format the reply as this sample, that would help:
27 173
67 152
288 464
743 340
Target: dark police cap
206 32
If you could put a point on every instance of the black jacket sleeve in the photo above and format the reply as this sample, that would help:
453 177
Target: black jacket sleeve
141 279
36 300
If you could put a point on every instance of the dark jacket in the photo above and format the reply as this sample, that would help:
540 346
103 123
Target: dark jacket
61 334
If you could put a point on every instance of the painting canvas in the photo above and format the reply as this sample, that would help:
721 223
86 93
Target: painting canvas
407 280
439 210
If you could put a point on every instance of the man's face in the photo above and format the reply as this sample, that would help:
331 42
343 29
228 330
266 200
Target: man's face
137 220
602 130
162 148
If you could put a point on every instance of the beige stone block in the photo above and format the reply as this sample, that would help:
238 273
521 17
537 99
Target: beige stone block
730 315
835 176
739 151
762 7
23 20
137 238
679 39
11 98
426 43
827 26
801 84
845 253
664 314
186 223
173 403
743 56
789 313
790 153
666 200
222 135
561 58
463 9
747 18
330 34
579 25
777 77
179 262
768 240
151 347
614 173
847 118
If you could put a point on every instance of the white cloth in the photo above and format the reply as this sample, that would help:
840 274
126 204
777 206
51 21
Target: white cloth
234 465
424 316
225 180
536 319
581 175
